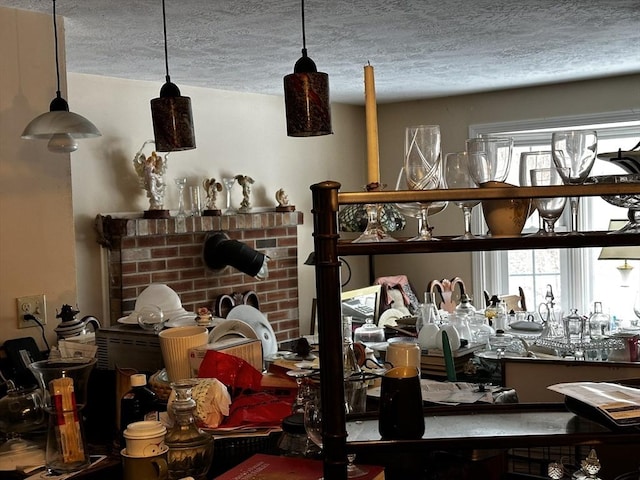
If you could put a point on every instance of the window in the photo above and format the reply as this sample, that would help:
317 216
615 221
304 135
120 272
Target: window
577 278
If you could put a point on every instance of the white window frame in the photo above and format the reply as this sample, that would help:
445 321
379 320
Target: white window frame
487 267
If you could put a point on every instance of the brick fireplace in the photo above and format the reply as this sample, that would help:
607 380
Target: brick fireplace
144 251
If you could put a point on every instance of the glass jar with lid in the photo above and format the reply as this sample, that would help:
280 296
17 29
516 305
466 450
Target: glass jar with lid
599 323
369 333
293 441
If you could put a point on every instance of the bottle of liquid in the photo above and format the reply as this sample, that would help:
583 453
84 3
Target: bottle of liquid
428 312
599 323
138 404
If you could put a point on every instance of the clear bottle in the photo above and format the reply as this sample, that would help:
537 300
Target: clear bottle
495 313
465 307
190 449
139 403
599 323
428 312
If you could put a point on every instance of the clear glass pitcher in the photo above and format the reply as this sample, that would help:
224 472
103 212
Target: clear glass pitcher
64 388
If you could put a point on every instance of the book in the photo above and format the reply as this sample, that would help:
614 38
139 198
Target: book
616 403
273 467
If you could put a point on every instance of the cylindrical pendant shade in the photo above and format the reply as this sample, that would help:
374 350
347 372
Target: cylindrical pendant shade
59 122
172 123
306 98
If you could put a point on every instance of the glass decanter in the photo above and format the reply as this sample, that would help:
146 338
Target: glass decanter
190 449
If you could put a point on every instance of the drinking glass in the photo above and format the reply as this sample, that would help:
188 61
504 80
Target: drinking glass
549 208
456 173
313 427
180 183
228 183
423 168
530 161
196 204
576 151
489 158
413 209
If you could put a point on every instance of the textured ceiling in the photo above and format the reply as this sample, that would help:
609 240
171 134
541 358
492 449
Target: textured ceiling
419 48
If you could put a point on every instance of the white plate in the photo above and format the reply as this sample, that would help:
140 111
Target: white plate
259 323
231 328
181 319
389 317
190 321
491 355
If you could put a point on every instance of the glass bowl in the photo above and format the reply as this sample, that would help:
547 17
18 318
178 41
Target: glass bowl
630 201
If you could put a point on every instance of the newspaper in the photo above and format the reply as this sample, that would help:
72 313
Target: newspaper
447 393
619 403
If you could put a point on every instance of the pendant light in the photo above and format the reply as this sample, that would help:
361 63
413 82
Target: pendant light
306 96
171 112
60 126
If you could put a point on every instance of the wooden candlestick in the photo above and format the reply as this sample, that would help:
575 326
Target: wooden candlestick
371 116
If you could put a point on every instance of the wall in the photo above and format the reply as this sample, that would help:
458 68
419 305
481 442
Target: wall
454 115
37 252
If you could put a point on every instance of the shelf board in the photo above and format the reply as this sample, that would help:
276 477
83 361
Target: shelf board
524 242
450 194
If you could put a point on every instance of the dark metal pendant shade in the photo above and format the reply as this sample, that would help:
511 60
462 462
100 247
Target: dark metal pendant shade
171 112
306 96
172 120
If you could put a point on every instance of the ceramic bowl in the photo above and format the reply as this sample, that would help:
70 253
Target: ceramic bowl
506 217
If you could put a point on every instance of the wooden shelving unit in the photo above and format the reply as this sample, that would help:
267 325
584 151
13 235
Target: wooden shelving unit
328 246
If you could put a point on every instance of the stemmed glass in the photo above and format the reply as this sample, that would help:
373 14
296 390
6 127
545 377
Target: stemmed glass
423 168
413 209
489 159
575 150
229 182
313 427
549 208
530 161
180 183
456 173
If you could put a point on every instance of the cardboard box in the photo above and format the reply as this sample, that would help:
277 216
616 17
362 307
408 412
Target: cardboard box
248 349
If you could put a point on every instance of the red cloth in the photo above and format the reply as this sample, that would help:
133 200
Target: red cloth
261 409
234 372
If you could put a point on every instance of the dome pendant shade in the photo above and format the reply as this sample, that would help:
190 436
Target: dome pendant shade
60 126
306 98
49 124
172 120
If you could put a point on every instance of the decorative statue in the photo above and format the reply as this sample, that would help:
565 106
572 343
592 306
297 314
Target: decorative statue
151 172
212 187
245 182
283 202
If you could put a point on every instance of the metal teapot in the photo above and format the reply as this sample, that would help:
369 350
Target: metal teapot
70 326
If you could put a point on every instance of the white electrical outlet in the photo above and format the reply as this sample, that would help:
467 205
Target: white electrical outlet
34 305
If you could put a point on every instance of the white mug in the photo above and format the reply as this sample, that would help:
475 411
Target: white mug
403 354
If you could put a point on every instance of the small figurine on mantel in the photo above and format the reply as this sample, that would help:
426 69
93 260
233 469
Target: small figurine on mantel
212 187
151 172
245 182
283 202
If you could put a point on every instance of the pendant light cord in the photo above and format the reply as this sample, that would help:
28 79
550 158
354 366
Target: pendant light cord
55 39
166 52
304 37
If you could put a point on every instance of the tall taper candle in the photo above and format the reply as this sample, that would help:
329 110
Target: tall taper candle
371 117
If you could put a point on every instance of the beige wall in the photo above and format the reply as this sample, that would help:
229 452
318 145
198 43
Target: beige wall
36 221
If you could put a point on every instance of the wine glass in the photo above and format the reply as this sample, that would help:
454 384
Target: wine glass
313 427
549 208
413 209
489 159
576 151
423 168
456 173
228 183
530 161
180 183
